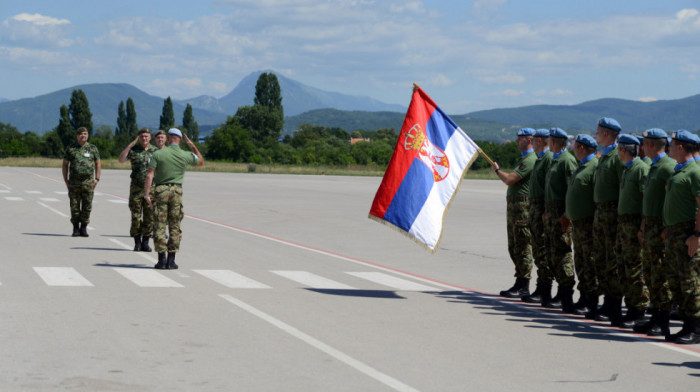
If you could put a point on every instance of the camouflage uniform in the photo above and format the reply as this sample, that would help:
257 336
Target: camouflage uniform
167 211
141 214
535 212
81 180
517 217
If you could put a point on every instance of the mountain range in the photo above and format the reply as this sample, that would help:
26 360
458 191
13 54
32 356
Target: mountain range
306 104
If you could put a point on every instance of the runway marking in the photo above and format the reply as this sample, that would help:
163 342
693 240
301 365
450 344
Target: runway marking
6 187
53 209
312 280
61 192
118 201
49 199
61 276
231 279
392 281
13 198
33 192
333 352
145 255
147 277
4 191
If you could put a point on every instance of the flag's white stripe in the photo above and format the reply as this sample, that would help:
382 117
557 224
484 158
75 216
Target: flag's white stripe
147 277
427 226
312 280
61 276
392 281
231 279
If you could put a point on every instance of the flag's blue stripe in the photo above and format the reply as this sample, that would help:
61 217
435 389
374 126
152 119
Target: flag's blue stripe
440 128
411 195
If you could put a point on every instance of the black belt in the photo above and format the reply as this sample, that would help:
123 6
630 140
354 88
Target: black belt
170 184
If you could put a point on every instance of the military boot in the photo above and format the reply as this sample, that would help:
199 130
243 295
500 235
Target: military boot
663 319
535 297
144 244
693 336
521 288
76 230
546 295
161 261
567 299
602 313
590 302
137 243
170 263
555 303
615 312
83 230
632 317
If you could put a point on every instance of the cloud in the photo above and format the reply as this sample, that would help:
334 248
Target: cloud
557 92
508 78
36 30
486 8
647 99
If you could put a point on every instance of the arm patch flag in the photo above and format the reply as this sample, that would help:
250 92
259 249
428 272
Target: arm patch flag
428 164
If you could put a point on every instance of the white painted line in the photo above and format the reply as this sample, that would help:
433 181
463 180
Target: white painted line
145 255
49 199
33 192
61 192
53 209
118 201
231 279
61 276
313 342
6 187
392 281
4 191
13 198
312 280
147 277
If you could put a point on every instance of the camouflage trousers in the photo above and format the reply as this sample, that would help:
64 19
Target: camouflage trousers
141 214
654 264
561 260
519 236
583 255
539 243
604 234
167 211
628 270
80 195
683 272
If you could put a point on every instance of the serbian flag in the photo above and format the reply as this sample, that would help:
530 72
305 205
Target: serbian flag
428 164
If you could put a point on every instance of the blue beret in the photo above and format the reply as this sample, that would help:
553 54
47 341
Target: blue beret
542 132
586 140
610 123
174 131
685 136
655 133
641 139
558 133
626 138
526 132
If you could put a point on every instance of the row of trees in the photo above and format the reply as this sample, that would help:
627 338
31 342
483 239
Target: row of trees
252 134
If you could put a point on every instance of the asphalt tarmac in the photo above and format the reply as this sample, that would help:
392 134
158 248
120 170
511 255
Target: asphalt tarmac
286 285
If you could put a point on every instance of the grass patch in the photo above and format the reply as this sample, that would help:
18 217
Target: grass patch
231 167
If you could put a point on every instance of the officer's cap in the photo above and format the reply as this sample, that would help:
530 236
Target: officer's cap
626 138
526 132
586 140
160 132
542 133
655 133
610 123
558 133
144 130
174 131
683 135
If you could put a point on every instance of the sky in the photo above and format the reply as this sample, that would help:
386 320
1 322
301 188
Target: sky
467 55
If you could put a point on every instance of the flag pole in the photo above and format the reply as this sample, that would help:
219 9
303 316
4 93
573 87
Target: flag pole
483 154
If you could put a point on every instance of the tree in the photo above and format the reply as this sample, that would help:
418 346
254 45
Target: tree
64 131
131 127
268 93
190 126
51 145
121 121
79 110
265 119
230 142
167 119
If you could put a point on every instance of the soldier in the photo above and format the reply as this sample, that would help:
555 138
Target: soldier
536 211
168 166
160 139
628 268
519 237
653 253
82 160
558 231
139 152
580 209
682 222
605 194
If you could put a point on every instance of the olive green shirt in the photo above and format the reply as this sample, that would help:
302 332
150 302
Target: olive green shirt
632 187
539 172
557 179
655 188
682 188
81 161
523 168
170 163
607 177
579 195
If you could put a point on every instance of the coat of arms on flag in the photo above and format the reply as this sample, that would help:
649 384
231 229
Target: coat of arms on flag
429 161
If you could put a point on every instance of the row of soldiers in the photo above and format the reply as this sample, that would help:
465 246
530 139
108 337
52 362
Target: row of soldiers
159 167
631 213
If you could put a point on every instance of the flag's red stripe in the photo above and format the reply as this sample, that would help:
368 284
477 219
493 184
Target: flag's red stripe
419 111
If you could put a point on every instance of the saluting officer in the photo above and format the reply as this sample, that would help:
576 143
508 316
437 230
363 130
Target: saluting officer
682 222
519 236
